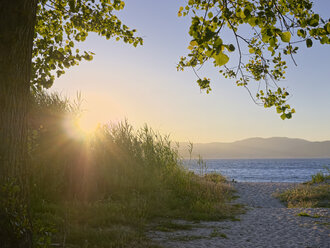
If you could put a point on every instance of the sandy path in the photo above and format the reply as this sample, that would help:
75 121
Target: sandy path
267 223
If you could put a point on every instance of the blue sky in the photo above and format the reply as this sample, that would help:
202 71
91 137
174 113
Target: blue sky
142 84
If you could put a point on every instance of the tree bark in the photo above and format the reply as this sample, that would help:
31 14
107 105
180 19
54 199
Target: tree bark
17 21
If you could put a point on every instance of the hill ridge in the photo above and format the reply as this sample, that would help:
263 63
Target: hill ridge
257 147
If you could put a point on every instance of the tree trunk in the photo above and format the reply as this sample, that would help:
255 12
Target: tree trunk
17 20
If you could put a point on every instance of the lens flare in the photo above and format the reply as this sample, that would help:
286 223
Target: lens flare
87 124
82 127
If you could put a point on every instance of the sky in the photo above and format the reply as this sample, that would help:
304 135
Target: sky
143 86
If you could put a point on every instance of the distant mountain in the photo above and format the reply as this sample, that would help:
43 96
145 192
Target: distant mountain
277 147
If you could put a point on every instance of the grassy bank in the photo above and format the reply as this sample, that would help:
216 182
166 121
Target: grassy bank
105 188
311 194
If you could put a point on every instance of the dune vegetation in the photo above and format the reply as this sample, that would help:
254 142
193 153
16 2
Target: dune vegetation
106 188
314 193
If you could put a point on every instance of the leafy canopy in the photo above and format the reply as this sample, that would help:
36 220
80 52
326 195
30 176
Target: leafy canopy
61 24
265 33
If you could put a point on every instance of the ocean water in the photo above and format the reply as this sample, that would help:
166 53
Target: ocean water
262 170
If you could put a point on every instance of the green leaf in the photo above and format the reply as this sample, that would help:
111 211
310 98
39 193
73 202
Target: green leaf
314 21
286 36
279 110
218 42
221 59
264 37
301 33
242 15
272 42
324 40
283 116
209 53
247 12
204 84
231 48
252 21
327 27
309 43
193 43
210 15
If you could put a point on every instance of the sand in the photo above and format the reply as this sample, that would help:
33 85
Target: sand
266 223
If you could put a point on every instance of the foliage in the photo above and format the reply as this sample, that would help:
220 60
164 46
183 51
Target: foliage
15 222
321 177
303 214
314 193
105 188
265 32
307 196
215 177
60 24
14 218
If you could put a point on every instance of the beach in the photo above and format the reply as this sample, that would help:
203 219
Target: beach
266 223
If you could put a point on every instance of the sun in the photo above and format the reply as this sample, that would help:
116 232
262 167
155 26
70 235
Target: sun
88 124
81 127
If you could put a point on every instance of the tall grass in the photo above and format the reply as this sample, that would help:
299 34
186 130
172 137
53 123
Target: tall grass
314 193
321 177
104 189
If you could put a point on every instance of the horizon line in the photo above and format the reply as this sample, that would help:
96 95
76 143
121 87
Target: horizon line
255 137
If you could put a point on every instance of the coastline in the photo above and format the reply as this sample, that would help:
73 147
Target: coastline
262 170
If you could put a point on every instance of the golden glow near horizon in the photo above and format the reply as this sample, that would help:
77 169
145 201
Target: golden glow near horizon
82 127
87 124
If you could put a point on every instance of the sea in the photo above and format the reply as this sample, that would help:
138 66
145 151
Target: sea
262 170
